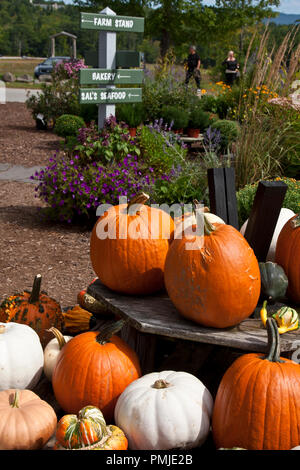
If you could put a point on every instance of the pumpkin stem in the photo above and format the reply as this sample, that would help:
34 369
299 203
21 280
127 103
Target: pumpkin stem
160 383
140 198
273 341
109 330
59 336
202 209
2 329
15 403
296 221
36 288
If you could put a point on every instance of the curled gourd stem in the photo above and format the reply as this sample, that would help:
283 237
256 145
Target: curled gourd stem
59 336
273 341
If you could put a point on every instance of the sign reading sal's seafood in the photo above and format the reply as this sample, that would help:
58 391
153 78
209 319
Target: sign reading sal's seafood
110 95
112 23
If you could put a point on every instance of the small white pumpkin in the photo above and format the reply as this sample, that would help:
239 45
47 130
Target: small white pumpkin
165 410
296 448
284 215
21 356
52 351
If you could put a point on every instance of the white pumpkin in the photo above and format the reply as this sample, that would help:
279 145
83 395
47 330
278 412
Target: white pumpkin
284 216
296 448
21 356
165 410
52 351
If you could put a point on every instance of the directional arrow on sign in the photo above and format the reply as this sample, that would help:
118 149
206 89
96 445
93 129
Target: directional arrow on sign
111 76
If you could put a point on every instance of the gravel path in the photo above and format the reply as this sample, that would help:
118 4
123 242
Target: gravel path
29 246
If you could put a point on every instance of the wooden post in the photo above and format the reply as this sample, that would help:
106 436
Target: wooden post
106 60
222 195
74 48
52 47
264 215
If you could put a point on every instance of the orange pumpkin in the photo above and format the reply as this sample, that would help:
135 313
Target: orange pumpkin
257 405
93 369
131 259
35 309
288 256
27 422
214 281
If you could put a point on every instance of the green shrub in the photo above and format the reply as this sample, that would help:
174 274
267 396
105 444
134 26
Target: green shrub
245 197
209 103
68 125
175 114
89 112
229 131
199 119
131 113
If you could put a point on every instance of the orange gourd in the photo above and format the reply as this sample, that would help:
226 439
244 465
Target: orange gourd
93 369
35 309
131 259
217 282
26 422
288 256
114 440
257 405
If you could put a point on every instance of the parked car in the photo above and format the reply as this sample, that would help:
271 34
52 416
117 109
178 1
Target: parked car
46 67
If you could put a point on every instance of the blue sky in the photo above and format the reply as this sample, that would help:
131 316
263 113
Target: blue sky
286 6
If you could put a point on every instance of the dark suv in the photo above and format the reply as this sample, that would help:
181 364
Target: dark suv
46 67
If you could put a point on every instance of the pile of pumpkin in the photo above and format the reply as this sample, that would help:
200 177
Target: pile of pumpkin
96 376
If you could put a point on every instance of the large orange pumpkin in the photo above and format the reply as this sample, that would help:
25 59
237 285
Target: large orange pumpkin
93 369
257 405
131 260
217 282
35 309
288 256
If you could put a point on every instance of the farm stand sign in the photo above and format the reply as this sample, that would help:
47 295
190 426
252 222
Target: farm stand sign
112 23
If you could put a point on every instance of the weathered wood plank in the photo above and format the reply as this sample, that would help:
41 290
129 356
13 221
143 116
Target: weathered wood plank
222 195
157 315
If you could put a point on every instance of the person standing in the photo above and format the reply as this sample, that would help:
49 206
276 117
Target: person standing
232 68
193 67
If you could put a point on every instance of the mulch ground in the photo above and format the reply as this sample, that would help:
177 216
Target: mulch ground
20 142
29 246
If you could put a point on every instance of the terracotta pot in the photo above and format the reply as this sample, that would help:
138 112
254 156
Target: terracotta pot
178 131
193 132
132 131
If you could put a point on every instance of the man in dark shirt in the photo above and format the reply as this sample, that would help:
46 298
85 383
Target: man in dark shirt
193 67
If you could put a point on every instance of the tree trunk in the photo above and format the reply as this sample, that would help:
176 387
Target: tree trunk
165 42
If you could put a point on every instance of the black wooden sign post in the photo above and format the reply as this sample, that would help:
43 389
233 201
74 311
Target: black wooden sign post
264 215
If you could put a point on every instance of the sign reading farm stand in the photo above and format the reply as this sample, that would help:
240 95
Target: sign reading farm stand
112 23
107 75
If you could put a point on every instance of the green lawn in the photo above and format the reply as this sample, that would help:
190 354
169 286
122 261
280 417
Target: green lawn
18 66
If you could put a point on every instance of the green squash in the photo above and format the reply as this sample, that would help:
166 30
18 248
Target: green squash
274 281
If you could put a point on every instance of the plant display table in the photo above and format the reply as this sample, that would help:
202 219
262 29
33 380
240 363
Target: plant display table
151 317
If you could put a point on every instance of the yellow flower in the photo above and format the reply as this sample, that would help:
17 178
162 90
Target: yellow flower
203 91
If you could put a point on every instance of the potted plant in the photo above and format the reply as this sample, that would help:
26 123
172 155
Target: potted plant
132 114
176 115
199 120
